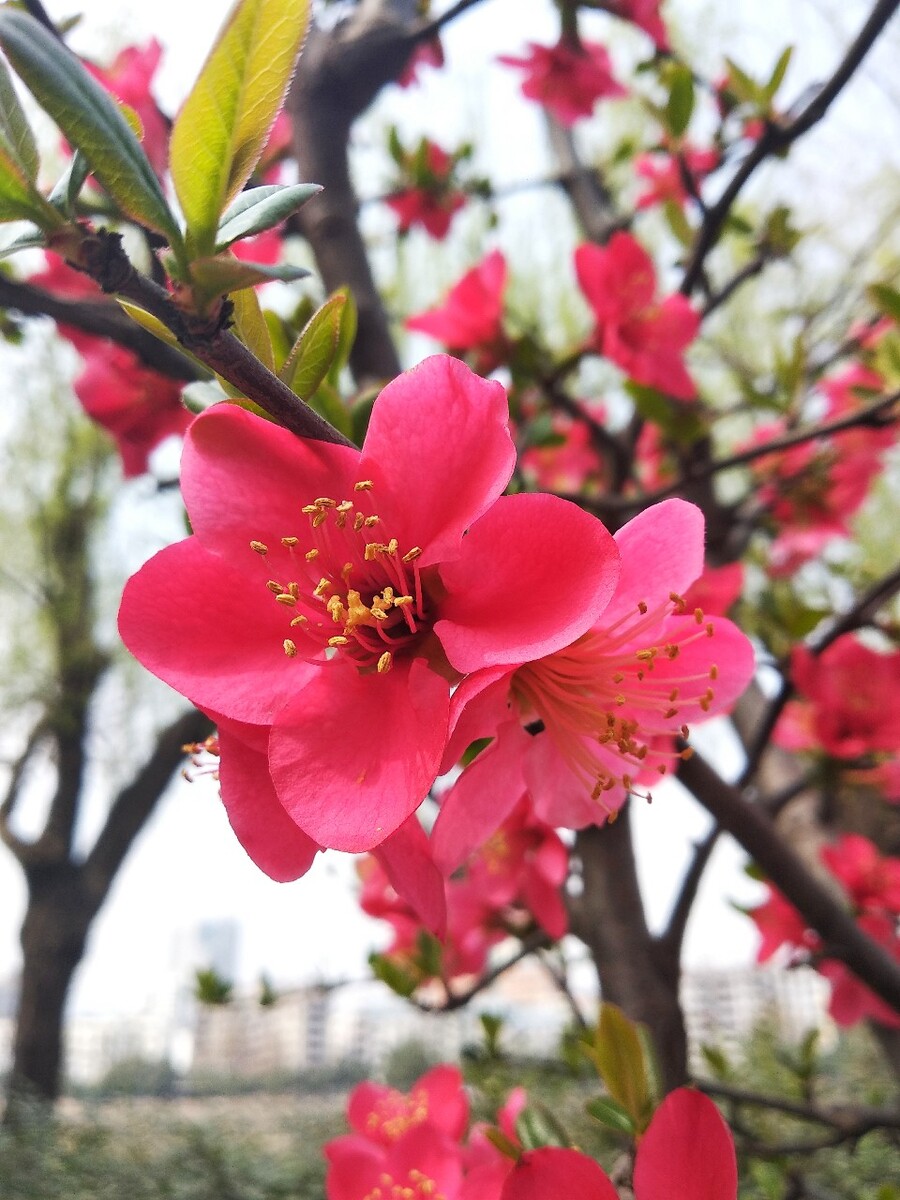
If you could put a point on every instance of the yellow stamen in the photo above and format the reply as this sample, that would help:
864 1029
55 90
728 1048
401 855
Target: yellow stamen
384 663
338 641
286 598
259 547
289 542
290 648
364 485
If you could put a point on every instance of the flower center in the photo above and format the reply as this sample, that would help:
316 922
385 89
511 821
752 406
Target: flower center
417 1186
354 590
612 700
395 1114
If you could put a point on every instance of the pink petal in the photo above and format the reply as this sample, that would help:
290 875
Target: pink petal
556 1174
661 552
354 755
546 905
477 707
246 479
260 824
439 452
481 799
211 633
407 861
535 573
687 1152
618 280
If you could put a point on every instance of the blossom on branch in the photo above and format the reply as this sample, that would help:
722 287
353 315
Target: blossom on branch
329 598
640 333
609 705
664 175
566 79
430 199
471 317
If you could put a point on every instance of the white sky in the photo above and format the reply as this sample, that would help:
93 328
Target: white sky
186 866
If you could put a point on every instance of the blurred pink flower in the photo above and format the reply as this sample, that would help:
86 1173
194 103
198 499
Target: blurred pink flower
566 79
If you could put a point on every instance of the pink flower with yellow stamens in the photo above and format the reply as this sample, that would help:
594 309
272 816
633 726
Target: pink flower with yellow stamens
329 599
580 728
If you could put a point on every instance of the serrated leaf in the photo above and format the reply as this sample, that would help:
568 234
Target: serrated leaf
219 276
680 104
262 208
14 127
19 198
886 300
619 1056
346 336
310 360
251 326
90 119
222 128
611 1114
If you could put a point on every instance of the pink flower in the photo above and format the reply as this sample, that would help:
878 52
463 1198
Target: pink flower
129 79
665 175
471 317
717 589
567 80
644 336
328 597
846 707
779 924
851 1001
570 463
870 879
426 54
610 703
431 201
62 280
687 1153
644 14
138 406
421 1165
383 1114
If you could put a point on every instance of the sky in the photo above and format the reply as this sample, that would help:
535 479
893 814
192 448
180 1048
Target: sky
187 867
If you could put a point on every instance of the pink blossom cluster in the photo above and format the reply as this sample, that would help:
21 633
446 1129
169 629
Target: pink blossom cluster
845 711
507 886
567 79
871 884
419 1145
353 620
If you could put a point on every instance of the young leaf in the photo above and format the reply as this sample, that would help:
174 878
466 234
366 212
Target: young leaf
28 239
221 131
70 183
620 1060
90 119
19 198
680 104
14 127
886 299
260 208
212 277
310 359
251 327
778 74
611 1114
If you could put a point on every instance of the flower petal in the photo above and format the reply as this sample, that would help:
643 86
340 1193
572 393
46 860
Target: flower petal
261 825
662 552
439 447
407 861
246 479
354 755
481 799
555 1174
687 1152
208 631
535 573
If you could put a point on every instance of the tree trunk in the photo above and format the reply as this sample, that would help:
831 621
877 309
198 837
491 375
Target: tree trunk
53 937
637 972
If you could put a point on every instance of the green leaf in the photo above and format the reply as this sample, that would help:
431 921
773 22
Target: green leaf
327 402
777 77
251 326
611 1114
716 1061
347 335
741 85
680 104
28 239
70 183
90 119
396 978
214 277
222 128
619 1056
211 988
678 223
499 1139
310 360
14 127
261 208
19 198
886 300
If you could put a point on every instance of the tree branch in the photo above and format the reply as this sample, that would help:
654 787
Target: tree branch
775 139
756 833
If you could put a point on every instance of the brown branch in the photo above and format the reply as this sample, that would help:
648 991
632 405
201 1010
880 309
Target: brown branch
756 833
852 1121
134 803
102 319
776 138
532 942
673 936
101 256
432 28
21 849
